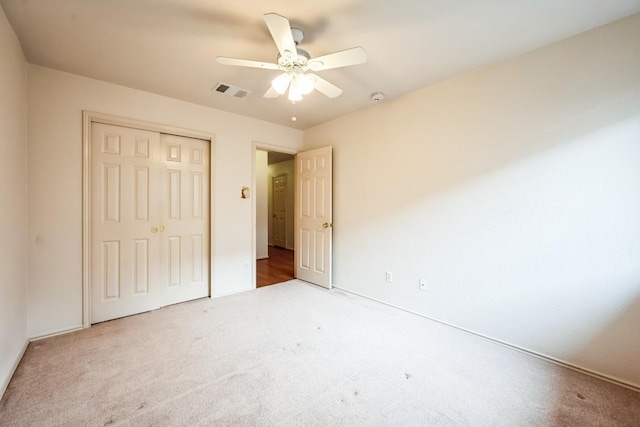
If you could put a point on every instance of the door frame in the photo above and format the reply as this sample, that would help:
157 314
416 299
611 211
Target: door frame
89 117
264 147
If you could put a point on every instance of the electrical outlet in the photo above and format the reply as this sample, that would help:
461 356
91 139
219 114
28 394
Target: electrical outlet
389 277
423 284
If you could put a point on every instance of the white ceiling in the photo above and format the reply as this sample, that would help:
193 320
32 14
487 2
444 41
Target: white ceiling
169 47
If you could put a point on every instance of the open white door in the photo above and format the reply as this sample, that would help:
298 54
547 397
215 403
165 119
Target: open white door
314 195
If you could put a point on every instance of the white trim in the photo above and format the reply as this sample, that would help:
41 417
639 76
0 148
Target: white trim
264 147
12 371
226 294
143 125
89 117
56 333
545 357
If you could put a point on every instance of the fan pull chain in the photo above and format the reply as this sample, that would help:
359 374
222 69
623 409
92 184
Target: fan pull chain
294 118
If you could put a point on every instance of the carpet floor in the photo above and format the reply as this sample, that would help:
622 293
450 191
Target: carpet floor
296 354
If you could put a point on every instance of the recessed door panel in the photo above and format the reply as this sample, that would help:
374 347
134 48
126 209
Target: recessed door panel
196 195
111 193
319 252
174 261
174 195
141 193
306 196
319 197
141 266
111 269
196 258
141 148
279 186
110 143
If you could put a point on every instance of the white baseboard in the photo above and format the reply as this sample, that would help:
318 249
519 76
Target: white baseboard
7 380
560 362
55 333
226 294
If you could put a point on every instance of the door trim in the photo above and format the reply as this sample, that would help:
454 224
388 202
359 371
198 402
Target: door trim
265 147
89 117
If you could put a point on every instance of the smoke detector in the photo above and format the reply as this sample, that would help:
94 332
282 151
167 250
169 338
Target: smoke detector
377 97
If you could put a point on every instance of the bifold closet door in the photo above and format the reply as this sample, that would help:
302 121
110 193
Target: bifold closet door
184 251
149 220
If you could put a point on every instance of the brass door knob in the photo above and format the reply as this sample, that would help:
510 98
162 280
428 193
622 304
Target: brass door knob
161 228
154 229
326 225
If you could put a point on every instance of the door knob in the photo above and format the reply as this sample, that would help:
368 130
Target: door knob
161 228
326 225
154 229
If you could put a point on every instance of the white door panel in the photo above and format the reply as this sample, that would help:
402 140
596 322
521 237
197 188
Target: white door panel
314 216
123 246
185 205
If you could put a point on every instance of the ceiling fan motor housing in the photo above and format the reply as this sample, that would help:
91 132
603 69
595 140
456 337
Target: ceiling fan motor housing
299 59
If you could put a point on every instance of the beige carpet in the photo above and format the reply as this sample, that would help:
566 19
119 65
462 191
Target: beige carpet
295 354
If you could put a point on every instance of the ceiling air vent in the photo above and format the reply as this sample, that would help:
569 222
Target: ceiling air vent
230 90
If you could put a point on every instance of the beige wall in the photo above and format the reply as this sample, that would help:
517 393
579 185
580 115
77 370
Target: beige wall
13 202
286 167
56 102
514 191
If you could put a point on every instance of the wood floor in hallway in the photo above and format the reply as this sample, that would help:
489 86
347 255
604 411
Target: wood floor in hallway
275 269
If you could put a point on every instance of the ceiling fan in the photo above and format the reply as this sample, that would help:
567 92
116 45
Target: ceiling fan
296 62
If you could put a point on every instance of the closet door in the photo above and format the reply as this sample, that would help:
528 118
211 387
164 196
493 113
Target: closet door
184 252
125 243
150 220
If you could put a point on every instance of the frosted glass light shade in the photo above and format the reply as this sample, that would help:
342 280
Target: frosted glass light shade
294 92
304 83
280 83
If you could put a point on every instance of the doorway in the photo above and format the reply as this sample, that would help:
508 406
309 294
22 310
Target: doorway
274 236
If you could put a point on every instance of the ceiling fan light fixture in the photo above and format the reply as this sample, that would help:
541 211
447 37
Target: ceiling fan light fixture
281 83
304 83
295 94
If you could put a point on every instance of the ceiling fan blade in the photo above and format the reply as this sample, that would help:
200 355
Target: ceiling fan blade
326 88
344 58
280 30
246 63
271 93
